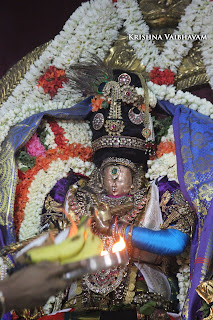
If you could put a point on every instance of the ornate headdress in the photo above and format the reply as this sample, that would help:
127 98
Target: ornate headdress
119 161
120 121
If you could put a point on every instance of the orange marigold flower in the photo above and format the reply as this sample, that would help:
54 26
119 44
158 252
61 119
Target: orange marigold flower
43 163
142 108
96 103
52 80
165 147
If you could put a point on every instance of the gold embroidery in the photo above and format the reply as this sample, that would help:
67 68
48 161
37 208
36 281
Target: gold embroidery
52 206
185 310
204 164
206 191
164 200
180 215
186 154
190 180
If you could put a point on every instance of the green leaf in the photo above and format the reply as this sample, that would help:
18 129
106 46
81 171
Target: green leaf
205 309
148 308
161 127
24 169
105 105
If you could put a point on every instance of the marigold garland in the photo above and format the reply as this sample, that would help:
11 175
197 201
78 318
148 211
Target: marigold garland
165 147
43 163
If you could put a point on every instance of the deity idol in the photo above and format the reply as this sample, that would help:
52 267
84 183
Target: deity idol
154 219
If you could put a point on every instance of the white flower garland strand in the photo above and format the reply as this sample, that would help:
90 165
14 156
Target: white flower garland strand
174 50
166 164
152 97
169 136
91 29
189 100
75 131
207 45
49 140
43 182
78 131
183 260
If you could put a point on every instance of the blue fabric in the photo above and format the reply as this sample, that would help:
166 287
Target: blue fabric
194 150
165 242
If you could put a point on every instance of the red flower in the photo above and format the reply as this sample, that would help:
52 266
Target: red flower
162 77
52 80
21 174
58 132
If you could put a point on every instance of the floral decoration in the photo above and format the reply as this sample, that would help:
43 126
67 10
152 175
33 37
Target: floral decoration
96 103
68 144
74 45
165 162
166 77
37 178
78 41
34 147
52 80
58 131
192 22
183 275
165 147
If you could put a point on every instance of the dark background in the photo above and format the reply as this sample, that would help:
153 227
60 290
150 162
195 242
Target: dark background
26 24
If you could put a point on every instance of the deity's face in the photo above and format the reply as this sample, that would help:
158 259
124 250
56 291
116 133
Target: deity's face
117 180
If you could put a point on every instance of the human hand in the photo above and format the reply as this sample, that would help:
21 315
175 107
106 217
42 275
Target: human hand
34 284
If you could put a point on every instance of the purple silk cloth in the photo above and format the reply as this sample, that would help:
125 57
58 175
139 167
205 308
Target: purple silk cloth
165 185
7 316
58 192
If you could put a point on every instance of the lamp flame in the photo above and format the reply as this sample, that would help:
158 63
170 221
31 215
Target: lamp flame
104 253
118 246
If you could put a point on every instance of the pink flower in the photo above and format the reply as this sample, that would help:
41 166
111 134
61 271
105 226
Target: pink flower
34 147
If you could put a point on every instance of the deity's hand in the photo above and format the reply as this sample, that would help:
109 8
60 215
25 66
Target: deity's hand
102 218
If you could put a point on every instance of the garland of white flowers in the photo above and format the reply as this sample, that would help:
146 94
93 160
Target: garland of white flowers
189 100
43 182
49 140
183 275
166 164
91 30
174 49
77 131
79 40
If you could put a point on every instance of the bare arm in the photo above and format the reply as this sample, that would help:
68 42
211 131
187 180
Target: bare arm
33 285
